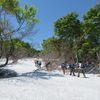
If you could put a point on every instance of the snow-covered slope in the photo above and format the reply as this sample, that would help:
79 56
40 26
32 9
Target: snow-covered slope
47 85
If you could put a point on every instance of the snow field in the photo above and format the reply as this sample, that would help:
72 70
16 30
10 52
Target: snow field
47 85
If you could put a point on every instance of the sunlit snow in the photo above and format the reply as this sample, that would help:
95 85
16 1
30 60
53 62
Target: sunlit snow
47 85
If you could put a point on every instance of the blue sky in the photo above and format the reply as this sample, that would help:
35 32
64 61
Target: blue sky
51 10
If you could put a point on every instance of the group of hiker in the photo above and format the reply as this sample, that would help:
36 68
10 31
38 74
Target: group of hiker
38 63
64 66
73 67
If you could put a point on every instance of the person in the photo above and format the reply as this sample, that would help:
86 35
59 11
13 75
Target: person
81 69
35 61
72 68
46 64
63 66
39 64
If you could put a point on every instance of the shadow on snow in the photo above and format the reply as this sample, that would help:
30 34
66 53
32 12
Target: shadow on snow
7 73
40 75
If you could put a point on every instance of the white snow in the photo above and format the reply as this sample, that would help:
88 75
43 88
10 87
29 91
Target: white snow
47 85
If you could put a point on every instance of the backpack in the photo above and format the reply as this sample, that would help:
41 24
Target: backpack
39 62
82 65
71 65
63 64
48 63
45 63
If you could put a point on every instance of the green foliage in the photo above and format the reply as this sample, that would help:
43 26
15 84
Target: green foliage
17 44
68 27
51 44
92 24
82 38
27 14
25 17
10 6
80 52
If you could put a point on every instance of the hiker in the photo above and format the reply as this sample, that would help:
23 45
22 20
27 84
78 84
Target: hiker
81 69
35 61
63 66
39 64
46 64
72 68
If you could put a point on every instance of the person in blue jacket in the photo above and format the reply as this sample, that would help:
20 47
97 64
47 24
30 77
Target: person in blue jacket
72 68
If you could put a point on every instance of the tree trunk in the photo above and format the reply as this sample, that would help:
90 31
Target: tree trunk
7 58
76 54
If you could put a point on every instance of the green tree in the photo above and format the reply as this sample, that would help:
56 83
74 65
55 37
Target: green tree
51 48
51 44
68 29
92 28
25 17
